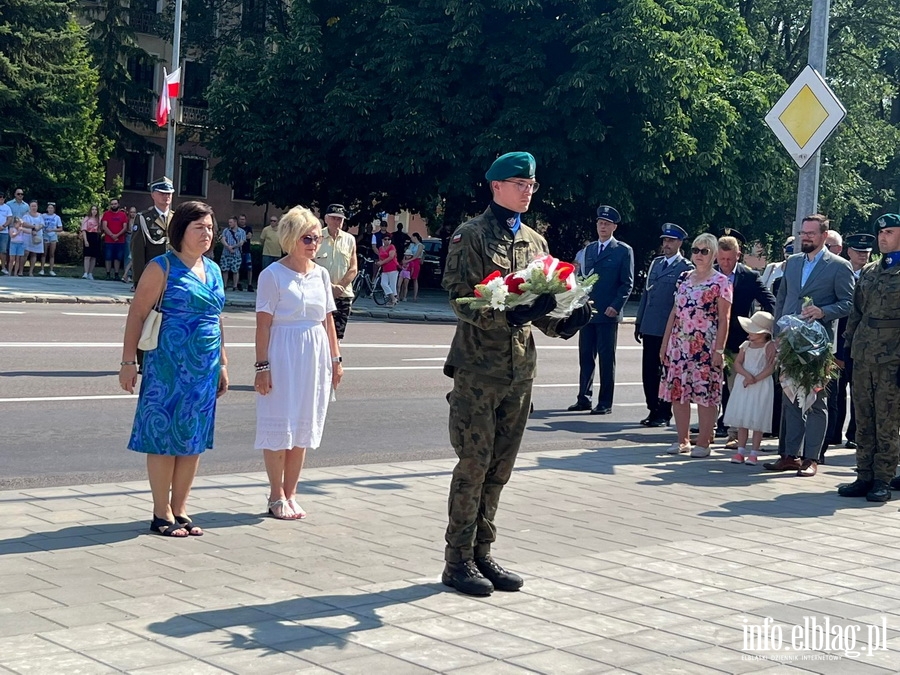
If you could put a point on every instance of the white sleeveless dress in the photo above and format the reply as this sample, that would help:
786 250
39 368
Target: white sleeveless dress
751 407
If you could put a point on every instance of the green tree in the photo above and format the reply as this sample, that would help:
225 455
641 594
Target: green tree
48 109
124 106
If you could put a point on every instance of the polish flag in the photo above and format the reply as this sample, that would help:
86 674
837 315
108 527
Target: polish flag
171 85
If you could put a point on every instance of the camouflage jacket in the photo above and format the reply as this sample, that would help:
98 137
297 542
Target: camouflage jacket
484 342
876 297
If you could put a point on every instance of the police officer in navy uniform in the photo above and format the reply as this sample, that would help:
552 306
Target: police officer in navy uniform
653 312
613 262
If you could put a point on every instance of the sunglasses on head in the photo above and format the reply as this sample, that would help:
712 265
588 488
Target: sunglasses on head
309 239
700 251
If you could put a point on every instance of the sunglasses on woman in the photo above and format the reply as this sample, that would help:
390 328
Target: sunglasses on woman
310 239
700 251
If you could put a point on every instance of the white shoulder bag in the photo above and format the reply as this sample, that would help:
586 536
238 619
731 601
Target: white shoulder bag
150 331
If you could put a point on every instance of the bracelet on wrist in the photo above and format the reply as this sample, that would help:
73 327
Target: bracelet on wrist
127 363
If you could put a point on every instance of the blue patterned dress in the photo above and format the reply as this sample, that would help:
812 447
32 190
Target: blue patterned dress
176 406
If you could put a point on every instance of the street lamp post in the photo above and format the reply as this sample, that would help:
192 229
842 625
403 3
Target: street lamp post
176 59
808 183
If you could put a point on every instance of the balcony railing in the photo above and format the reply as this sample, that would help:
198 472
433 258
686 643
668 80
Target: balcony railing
194 116
143 22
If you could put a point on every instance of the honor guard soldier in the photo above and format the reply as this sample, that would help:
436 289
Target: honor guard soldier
653 312
492 362
151 238
872 332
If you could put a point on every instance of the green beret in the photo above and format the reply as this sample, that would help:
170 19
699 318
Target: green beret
886 221
512 165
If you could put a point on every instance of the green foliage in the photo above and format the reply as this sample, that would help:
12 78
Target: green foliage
48 115
655 106
112 43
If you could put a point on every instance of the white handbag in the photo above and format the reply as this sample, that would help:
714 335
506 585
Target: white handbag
150 331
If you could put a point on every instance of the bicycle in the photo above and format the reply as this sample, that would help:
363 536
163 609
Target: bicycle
366 284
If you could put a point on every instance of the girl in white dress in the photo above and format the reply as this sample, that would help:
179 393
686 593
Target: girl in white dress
298 359
750 404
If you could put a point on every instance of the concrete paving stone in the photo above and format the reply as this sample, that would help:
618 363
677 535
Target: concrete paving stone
93 636
217 598
21 564
86 576
275 632
188 561
83 615
73 559
25 602
83 594
127 571
847 580
197 579
444 628
490 668
324 650
782 593
497 644
278 590
135 655
727 660
662 641
721 630
255 661
192 667
377 663
651 617
836 603
673 666
868 600
24 647
24 623
17 547
680 588
614 652
71 663
160 605
696 609
640 594
439 656
553 661
341 622
387 638
19 583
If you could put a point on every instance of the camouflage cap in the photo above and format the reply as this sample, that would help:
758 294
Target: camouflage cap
512 165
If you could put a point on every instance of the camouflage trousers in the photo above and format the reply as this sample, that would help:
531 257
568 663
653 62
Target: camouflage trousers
487 420
876 400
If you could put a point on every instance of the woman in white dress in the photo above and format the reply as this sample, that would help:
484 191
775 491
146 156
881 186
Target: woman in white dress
298 359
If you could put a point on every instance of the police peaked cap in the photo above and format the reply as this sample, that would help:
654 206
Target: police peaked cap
860 242
608 213
731 232
673 231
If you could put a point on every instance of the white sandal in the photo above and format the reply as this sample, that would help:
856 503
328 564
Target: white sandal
299 513
280 509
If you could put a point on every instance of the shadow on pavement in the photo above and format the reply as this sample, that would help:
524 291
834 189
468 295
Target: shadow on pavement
59 373
78 536
298 624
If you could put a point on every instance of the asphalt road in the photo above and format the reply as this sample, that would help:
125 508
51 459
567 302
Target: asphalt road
65 420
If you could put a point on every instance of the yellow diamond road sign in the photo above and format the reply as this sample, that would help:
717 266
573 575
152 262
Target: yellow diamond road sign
806 115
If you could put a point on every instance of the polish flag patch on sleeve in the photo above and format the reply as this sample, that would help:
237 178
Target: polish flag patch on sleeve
456 238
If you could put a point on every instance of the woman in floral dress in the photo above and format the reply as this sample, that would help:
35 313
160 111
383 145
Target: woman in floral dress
693 347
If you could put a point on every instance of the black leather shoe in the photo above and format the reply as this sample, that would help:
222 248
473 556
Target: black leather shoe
658 422
601 410
858 488
850 445
721 432
576 407
502 580
465 577
880 492
646 421
895 483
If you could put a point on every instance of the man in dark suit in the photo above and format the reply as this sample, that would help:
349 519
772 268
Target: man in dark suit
650 324
827 281
747 288
613 262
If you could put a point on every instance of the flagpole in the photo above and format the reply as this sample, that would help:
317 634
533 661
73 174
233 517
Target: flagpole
175 62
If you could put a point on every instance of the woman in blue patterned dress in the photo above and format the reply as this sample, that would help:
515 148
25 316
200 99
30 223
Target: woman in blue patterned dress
185 374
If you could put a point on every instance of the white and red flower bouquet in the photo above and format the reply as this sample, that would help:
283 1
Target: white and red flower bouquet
545 274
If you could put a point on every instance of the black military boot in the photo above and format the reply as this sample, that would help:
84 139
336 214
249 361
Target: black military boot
503 580
880 492
858 488
466 578
895 483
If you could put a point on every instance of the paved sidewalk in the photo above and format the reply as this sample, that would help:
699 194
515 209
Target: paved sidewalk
634 563
432 306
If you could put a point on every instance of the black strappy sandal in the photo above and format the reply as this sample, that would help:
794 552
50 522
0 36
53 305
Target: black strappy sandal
157 524
188 525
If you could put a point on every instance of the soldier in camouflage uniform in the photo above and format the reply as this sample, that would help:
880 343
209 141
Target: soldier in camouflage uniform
872 335
492 361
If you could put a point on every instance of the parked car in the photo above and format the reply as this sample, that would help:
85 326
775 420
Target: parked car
431 272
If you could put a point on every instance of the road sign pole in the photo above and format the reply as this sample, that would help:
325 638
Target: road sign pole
808 183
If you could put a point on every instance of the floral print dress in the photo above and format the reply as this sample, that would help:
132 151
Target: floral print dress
690 377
